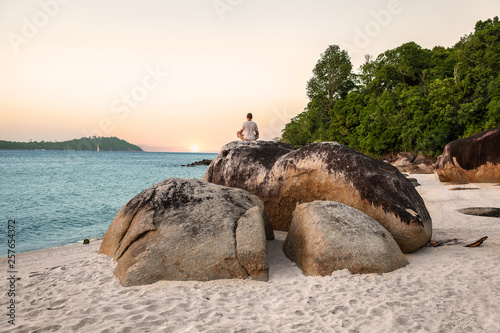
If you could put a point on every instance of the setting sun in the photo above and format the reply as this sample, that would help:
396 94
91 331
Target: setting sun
195 148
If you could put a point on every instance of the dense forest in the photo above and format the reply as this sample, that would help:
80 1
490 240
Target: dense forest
407 99
90 143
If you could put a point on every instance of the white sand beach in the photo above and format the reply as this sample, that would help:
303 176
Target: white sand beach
444 289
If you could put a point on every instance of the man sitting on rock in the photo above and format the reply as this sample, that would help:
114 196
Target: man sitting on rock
249 131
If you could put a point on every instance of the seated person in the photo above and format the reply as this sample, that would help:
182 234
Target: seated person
249 130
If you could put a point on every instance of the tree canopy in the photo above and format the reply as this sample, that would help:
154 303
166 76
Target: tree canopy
407 99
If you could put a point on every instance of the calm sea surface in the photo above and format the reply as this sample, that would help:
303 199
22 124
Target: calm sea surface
62 197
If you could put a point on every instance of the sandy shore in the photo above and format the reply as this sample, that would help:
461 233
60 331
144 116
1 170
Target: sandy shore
444 289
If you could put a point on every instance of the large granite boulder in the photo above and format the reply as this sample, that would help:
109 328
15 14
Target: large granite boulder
326 236
326 171
246 165
334 172
475 159
188 229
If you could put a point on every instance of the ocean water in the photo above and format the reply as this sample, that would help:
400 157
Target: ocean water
62 197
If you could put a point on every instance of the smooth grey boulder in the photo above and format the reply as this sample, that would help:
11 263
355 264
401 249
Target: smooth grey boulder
188 229
326 236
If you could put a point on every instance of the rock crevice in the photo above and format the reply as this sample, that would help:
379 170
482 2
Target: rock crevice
187 229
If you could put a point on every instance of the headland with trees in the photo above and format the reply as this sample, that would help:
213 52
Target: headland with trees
85 143
406 99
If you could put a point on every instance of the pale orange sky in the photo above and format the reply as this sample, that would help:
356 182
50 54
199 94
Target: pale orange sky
167 75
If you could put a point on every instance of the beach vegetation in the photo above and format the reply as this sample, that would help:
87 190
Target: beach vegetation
406 99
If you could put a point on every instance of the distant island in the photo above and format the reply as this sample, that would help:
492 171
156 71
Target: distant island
90 143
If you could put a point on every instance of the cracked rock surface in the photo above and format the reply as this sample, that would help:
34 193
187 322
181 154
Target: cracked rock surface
188 229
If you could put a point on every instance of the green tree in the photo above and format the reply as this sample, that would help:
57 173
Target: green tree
297 132
408 98
332 80
345 119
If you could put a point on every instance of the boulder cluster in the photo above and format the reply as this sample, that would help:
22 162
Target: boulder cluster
341 209
202 163
284 177
407 162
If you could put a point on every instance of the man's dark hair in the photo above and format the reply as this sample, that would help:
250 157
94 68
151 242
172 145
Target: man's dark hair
249 115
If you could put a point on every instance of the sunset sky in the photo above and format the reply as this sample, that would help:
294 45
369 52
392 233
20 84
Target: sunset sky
167 75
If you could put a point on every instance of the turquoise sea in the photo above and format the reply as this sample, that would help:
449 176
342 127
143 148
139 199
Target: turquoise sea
62 197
